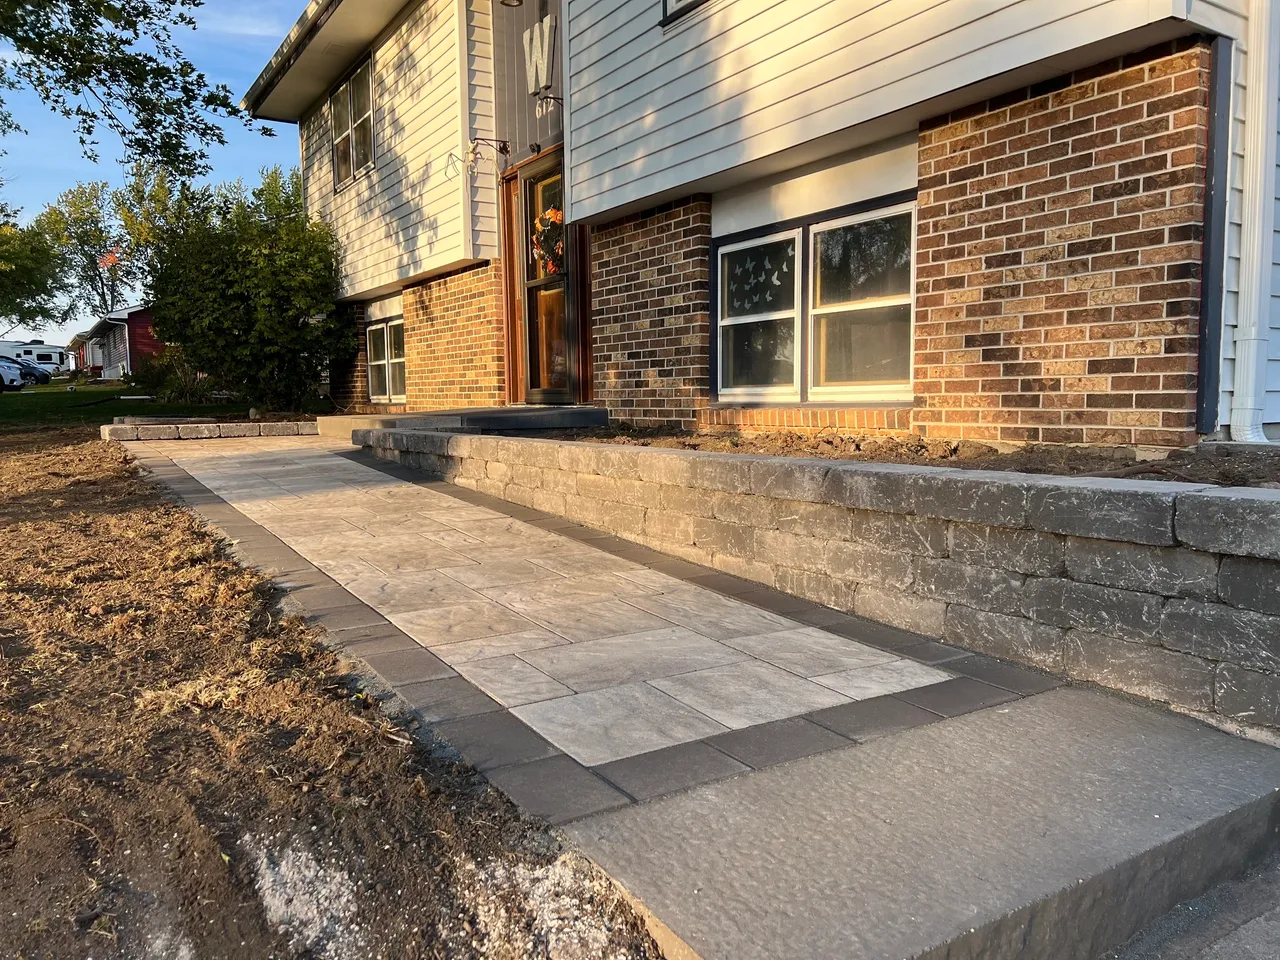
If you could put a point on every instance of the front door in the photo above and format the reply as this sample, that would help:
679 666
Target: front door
546 297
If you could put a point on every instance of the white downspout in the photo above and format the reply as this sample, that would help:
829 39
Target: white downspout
1262 97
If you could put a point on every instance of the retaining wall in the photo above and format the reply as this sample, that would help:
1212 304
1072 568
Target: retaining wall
1165 590
207 431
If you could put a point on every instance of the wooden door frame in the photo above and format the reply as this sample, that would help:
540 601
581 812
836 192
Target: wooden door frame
578 289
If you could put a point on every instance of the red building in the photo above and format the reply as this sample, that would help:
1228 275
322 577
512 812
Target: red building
123 338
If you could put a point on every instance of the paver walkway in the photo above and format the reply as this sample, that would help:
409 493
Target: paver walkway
654 682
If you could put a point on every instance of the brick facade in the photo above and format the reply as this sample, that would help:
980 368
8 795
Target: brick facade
651 314
1059 252
349 378
455 344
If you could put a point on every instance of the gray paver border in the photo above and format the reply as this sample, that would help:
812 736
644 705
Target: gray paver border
362 634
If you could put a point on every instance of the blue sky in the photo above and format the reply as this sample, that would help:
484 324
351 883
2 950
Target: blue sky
234 41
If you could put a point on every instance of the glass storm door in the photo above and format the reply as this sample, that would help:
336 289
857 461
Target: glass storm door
551 347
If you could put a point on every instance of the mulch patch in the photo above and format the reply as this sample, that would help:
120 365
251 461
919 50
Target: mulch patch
1225 467
185 773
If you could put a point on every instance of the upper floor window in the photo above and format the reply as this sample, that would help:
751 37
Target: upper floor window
351 118
674 9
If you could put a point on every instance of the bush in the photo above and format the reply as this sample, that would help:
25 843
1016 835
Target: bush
171 378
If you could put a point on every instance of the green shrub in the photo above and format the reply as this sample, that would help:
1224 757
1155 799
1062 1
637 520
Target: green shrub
171 378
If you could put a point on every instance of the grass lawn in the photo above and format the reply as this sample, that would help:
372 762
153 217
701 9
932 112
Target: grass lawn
55 405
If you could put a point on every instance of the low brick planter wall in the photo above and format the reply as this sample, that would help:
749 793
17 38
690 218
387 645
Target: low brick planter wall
1165 590
206 431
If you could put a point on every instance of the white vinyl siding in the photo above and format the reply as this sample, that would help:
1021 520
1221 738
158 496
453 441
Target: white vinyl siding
740 80
411 214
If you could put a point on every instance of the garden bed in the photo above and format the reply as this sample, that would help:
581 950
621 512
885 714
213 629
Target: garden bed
1220 464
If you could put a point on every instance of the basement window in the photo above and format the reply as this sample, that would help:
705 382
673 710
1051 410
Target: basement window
385 344
351 121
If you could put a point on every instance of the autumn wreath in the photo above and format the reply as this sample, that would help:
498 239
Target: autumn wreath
548 240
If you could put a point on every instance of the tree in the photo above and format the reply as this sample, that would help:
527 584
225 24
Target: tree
30 283
114 63
246 284
92 249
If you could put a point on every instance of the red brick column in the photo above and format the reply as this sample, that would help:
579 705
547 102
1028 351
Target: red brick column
651 314
1059 257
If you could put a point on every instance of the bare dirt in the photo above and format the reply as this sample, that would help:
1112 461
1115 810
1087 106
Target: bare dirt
1213 464
185 774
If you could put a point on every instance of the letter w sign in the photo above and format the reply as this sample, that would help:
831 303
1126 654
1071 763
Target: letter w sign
539 54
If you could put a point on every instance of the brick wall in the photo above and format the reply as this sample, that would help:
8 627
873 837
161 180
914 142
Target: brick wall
651 314
349 377
455 345
1059 253
819 419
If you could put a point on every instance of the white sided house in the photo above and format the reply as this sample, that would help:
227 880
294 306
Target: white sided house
1017 220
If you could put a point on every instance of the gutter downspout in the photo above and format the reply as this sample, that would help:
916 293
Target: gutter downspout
128 362
1257 240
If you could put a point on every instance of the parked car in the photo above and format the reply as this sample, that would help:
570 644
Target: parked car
31 372
11 376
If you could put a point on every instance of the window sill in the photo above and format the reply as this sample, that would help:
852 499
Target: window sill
669 18
356 177
812 405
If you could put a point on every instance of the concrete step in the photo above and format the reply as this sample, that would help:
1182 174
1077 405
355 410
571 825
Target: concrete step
1056 827
514 419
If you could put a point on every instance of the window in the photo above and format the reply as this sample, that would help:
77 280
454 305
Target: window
385 342
860 318
846 334
674 9
759 300
351 119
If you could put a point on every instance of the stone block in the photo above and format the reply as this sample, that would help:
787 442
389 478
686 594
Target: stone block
1243 521
721 537
790 478
1247 695
111 431
1221 632
638 493
362 437
308 428
883 487
973 496
863 563
900 609
579 457
744 567
424 441
621 462
282 430
559 481
687 500
198 431
1138 511
526 476
156 432
228 430
1010 638
1140 669
1106 610
1171 571
484 448
667 525
459 444
515 494
823 520
818 587
787 549
1250 583
1023 551
979 587
547 501
727 472
668 467
471 469
598 487
922 536
491 487
497 470
619 518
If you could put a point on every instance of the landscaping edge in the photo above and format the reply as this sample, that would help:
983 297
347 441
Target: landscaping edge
1167 591
207 431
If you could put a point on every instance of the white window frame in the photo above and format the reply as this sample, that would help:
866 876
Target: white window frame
786 392
871 392
385 327
344 90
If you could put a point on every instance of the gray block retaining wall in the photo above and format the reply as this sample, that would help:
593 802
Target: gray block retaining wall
207 431
1168 591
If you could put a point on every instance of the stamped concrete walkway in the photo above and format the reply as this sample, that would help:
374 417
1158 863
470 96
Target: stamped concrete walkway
938 804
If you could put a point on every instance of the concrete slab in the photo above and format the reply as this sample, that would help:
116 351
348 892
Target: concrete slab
1052 827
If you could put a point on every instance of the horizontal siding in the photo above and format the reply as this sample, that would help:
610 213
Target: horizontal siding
480 115
405 217
742 80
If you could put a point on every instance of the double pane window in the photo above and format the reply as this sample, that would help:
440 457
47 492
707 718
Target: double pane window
351 120
855 323
385 344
